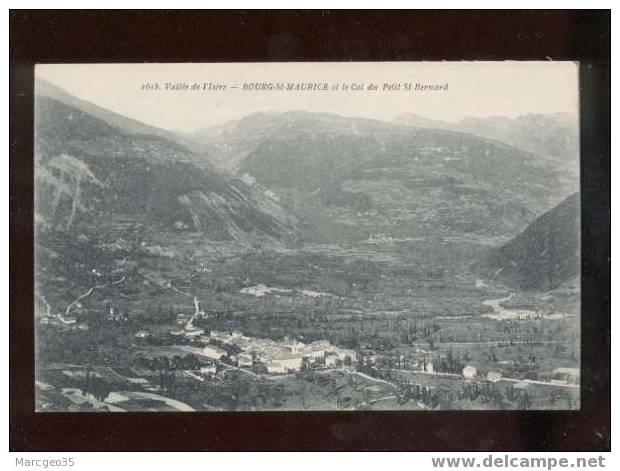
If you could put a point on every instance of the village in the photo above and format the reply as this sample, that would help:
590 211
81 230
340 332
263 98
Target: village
212 342
287 334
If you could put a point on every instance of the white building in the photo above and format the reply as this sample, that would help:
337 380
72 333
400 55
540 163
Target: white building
470 372
225 336
208 370
284 364
194 333
344 352
494 376
296 346
570 375
212 351
313 354
331 361
245 360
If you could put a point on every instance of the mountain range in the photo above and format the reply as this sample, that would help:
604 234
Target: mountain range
309 177
353 177
553 135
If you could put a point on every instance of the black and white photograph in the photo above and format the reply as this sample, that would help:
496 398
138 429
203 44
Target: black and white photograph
362 236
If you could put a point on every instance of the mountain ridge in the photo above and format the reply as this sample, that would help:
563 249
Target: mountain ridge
128 125
552 134
87 167
543 256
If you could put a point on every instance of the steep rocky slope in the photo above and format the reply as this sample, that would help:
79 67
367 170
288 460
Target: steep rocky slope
545 255
93 175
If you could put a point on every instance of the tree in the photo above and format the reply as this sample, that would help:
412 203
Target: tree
99 388
191 362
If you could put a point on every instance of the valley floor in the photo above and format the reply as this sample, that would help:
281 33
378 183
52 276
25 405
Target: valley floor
308 331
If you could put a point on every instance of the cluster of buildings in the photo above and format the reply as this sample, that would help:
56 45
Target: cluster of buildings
471 372
566 376
115 315
278 356
291 355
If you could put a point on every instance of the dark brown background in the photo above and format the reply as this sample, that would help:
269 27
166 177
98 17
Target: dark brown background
217 36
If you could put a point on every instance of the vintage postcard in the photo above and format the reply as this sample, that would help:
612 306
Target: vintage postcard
307 236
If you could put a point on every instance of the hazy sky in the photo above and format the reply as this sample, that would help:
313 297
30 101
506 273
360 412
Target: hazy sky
475 89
